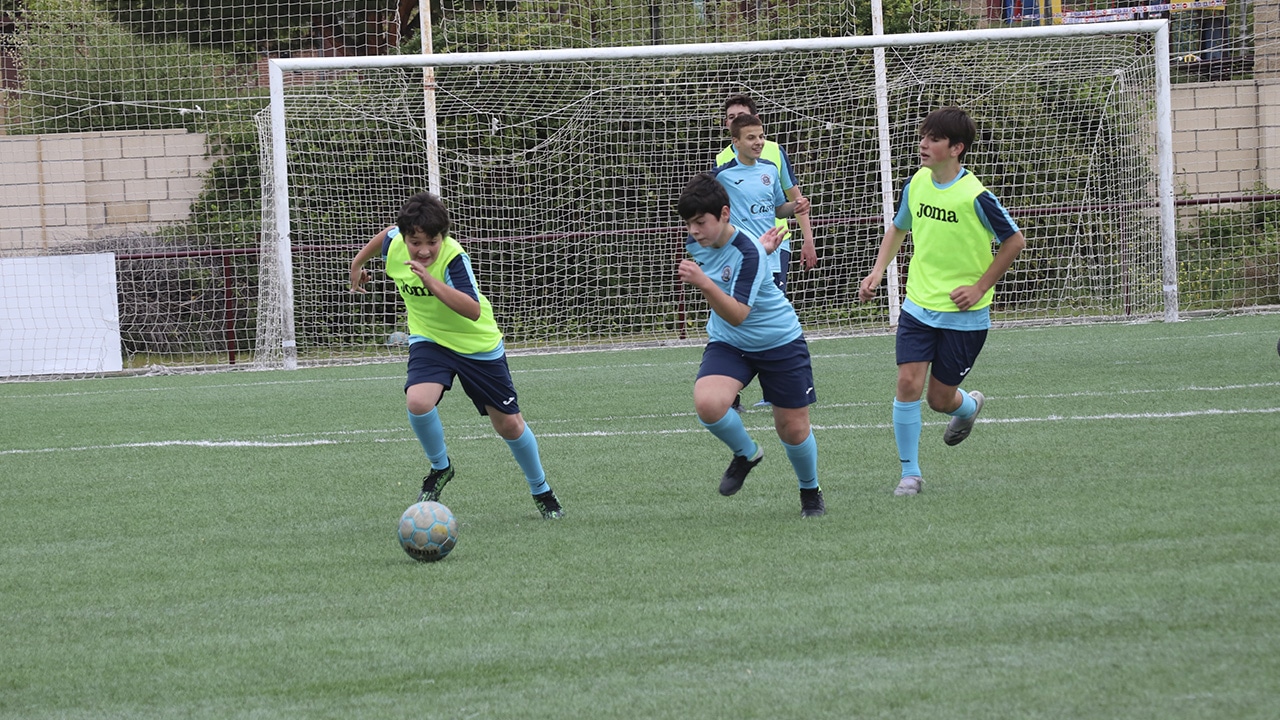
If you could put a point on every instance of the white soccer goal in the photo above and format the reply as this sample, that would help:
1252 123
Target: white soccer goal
561 169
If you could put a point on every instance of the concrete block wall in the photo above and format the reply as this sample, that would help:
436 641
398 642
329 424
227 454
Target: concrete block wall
67 187
72 186
1226 137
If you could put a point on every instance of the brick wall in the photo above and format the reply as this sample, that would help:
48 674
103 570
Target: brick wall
57 188
1226 136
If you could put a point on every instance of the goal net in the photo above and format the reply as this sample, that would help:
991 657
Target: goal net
561 170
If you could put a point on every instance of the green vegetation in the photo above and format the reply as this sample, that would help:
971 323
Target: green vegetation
1231 257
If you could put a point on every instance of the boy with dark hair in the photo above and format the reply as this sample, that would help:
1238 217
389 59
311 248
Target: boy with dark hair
741 104
943 325
752 330
452 334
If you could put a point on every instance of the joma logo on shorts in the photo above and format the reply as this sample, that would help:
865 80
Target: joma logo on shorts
936 213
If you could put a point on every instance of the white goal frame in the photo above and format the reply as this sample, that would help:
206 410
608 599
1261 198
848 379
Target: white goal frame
278 190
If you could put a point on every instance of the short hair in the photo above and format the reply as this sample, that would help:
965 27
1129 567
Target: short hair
702 194
423 212
951 123
741 99
744 121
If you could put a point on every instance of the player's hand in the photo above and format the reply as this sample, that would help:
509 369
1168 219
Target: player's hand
421 271
773 237
359 276
689 272
802 206
808 255
966 296
869 285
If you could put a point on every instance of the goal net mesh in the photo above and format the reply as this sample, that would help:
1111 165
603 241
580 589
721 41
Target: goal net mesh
561 180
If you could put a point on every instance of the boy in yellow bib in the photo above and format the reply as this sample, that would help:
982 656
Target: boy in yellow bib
452 333
943 325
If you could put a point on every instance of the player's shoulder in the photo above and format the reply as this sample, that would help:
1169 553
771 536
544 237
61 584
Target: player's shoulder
746 245
729 164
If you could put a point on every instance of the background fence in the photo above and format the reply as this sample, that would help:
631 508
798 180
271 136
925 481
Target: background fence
129 127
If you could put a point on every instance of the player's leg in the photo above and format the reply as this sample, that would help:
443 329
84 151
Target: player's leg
488 383
915 346
780 274
956 356
429 375
783 258
721 376
786 378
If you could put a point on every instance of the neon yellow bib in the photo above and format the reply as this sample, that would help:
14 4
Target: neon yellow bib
431 318
951 246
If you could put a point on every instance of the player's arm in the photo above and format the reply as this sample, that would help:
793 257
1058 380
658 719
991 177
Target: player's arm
453 298
792 208
808 251
358 275
893 238
966 295
722 304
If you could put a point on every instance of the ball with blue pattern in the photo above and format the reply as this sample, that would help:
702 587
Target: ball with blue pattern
428 531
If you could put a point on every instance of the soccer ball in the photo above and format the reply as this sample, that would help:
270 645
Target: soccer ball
428 531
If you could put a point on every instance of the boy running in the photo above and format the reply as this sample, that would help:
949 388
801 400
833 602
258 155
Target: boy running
943 325
452 334
752 330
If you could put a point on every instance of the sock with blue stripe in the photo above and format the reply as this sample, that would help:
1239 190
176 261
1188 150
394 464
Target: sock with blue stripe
804 459
733 433
525 450
430 434
906 433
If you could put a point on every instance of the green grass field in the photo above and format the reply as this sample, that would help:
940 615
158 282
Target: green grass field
1105 544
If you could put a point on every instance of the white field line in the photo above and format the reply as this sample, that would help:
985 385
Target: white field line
346 437
399 377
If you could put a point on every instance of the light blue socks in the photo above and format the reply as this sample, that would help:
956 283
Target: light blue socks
906 432
431 435
525 450
804 459
733 433
967 408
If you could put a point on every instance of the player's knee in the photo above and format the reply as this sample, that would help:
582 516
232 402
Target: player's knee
509 427
710 409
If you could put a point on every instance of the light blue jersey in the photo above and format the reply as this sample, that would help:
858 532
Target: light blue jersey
755 192
773 153
742 272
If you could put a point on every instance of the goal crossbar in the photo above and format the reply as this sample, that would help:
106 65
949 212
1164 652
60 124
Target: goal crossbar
852 42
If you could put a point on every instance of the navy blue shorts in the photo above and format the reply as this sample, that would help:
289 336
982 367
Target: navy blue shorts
486 382
780 277
786 375
951 353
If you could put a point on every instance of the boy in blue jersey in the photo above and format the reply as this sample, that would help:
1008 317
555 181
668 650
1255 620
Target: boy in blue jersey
752 330
757 199
943 325
452 334
780 259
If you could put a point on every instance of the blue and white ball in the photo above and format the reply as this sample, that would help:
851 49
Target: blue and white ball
428 531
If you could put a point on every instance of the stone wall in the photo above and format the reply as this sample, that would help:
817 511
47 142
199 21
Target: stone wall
72 186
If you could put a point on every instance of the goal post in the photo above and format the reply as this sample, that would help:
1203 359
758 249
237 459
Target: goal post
561 169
